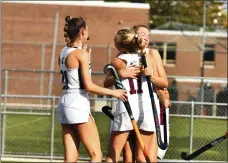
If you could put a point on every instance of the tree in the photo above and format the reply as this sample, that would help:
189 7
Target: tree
185 12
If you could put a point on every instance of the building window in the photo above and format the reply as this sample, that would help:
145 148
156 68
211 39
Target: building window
171 53
167 51
209 54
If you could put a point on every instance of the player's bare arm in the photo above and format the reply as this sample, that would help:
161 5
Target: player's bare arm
160 80
83 57
123 71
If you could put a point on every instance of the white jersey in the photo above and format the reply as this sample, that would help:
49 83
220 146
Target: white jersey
74 104
139 99
136 88
71 78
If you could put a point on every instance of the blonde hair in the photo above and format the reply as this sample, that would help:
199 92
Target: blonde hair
128 40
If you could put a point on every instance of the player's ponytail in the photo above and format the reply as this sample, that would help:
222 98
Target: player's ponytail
137 42
65 29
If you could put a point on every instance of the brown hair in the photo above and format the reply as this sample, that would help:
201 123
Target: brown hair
128 40
72 28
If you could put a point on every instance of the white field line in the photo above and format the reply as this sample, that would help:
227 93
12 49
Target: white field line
20 124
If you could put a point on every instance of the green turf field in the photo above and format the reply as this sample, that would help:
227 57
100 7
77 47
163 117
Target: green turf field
30 134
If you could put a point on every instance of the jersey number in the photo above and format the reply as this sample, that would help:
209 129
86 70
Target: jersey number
132 87
64 79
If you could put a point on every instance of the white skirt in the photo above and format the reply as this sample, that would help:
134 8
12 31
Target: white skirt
73 108
142 113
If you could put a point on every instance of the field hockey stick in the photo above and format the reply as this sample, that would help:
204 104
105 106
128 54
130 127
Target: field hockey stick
119 85
162 145
185 156
106 111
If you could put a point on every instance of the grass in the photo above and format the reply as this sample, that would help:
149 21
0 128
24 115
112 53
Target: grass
205 130
30 134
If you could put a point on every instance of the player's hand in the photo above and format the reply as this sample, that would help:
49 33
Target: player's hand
147 72
120 94
130 72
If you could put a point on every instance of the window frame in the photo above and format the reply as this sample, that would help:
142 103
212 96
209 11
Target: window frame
207 49
164 48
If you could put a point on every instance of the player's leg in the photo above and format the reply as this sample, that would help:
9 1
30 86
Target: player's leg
127 153
129 148
150 142
71 143
147 129
116 144
89 136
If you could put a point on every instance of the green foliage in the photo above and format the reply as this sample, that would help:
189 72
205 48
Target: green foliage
165 14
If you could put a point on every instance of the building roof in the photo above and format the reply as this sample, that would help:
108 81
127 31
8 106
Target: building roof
188 33
89 3
177 28
173 25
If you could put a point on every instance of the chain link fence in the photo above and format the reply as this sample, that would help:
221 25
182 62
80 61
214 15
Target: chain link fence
190 89
29 127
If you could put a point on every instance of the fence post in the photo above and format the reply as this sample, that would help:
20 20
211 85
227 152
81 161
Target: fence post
214 108
1 88
53 52
4 111
52 129
191 127
42 69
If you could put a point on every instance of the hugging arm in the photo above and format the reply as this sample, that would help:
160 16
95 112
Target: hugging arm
160 80
122 70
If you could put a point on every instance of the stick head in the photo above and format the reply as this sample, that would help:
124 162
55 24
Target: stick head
107 68
107 111
118 83
163 146
104 108
184 156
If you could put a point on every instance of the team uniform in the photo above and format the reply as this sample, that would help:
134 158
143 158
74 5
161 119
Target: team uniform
140 103
74 104
139 99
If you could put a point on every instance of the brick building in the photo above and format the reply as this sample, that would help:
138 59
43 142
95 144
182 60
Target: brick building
28 33
182 52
